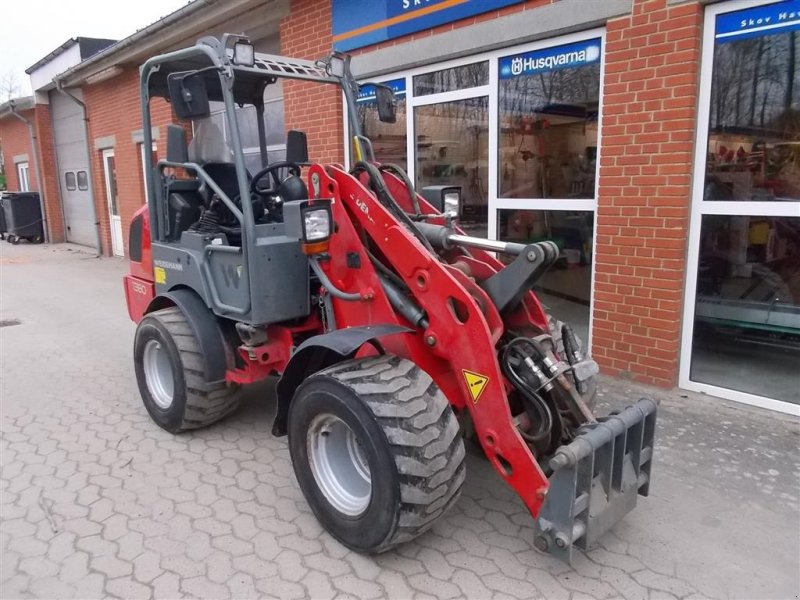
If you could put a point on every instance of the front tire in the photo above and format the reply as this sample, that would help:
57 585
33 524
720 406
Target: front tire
170 371
376 450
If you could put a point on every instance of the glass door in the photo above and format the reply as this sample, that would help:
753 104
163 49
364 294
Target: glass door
451 137
115 222
741 334
548 114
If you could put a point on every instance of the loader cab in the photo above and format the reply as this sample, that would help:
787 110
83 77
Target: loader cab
217 227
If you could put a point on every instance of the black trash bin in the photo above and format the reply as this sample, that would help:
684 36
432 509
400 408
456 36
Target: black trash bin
3 228
23 216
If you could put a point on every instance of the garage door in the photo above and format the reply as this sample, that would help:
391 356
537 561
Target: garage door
73 166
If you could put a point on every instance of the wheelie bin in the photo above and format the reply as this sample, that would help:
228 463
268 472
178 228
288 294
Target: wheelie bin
23 217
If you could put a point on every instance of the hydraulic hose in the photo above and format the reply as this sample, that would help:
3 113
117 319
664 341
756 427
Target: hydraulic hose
385 198
542 413
328 284
398 170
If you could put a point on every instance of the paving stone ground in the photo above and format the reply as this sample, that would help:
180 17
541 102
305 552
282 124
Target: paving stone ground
96 501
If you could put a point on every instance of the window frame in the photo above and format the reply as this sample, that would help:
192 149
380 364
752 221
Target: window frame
23 175
700 208
492 90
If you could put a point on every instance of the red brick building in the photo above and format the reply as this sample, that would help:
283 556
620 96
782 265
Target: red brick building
657 141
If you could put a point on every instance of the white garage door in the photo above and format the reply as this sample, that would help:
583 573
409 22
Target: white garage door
73 169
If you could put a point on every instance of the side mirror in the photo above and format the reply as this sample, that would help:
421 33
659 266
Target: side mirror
385 98
177 149
297 147
188 95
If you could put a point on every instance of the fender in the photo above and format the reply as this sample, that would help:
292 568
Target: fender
320 352
217 355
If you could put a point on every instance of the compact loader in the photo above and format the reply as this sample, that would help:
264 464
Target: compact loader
395 336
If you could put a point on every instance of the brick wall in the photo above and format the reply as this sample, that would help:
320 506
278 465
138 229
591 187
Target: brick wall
15 139
114 109
650 94
313 108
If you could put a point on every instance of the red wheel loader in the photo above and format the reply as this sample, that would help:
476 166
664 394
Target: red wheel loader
392 332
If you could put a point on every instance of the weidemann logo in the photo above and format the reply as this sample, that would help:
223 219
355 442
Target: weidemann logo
551 59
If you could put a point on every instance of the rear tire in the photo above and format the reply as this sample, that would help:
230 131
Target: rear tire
170 371
382 421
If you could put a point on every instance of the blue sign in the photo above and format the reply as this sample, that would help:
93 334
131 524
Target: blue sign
568 56
359 23
758 21
366 93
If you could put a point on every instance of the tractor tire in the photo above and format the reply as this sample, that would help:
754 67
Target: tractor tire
171 375
376 450
589 388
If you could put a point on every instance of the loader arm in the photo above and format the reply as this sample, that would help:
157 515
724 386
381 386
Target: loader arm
470 378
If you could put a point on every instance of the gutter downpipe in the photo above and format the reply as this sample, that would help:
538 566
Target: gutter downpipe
36 163
79 102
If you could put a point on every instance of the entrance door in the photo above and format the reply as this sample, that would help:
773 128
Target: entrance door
451 136
22 175
109 168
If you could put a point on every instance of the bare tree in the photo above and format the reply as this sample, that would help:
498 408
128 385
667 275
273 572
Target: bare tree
9 85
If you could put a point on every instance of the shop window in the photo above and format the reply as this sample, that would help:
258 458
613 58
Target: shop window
743 315
70 181
388 139
449 80
548 107
754 117
566 287
747 311
83 181
452 149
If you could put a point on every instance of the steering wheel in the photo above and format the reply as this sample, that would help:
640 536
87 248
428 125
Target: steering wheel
272 169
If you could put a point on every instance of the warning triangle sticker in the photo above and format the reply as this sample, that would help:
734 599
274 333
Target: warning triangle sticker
476 383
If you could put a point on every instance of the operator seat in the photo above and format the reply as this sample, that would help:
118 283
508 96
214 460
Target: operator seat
209 150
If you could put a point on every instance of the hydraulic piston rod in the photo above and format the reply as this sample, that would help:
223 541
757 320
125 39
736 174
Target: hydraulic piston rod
444 237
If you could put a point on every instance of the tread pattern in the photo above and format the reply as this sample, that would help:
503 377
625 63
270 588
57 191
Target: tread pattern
423 434
204 404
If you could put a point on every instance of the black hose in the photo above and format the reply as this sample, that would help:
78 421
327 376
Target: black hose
384 197
542 415
400 172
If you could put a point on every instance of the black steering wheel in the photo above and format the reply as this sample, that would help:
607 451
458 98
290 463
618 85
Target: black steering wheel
272 169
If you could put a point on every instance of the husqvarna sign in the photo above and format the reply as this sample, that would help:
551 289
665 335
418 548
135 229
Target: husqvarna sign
568 56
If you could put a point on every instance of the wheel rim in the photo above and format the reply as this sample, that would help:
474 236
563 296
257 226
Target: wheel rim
339 464
158 373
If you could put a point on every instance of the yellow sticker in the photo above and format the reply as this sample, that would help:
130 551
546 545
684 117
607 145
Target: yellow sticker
476 383
161 274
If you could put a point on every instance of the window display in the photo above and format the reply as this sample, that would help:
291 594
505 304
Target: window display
754 120
548 106
453 149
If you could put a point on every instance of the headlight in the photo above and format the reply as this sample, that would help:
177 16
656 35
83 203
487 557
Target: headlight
316 224
244 54
310 223
452 200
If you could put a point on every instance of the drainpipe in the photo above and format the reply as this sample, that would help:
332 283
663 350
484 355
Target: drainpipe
36 163
60 87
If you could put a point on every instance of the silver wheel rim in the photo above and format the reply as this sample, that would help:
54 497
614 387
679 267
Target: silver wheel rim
339 464
158 373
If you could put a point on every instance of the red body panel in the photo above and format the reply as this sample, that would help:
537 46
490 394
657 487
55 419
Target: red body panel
138 284
139 293
455 341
